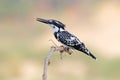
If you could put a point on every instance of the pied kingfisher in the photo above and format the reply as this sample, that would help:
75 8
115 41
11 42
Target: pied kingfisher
65 37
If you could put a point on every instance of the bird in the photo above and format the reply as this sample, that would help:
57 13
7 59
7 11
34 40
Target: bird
65 37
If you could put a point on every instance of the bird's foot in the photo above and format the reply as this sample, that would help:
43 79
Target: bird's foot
66 49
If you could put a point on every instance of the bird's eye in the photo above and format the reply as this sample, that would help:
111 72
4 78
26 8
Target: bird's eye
53 26
50 20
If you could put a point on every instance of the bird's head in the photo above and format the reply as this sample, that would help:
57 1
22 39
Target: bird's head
56 25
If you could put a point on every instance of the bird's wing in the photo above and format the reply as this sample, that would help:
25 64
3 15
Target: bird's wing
68 39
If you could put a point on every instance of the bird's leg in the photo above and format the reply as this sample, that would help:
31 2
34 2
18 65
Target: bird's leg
61 51
66 49
69 50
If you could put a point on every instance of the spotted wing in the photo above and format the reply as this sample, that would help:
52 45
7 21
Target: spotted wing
68 39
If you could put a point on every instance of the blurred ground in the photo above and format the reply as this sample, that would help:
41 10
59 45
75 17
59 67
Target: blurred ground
24 42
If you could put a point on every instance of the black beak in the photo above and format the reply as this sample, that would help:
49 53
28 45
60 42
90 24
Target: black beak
43 20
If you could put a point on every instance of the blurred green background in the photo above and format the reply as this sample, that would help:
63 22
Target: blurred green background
24 42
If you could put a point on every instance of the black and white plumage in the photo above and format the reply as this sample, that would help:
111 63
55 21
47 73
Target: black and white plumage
65 37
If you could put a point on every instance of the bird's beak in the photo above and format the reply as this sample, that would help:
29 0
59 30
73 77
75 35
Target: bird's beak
43 20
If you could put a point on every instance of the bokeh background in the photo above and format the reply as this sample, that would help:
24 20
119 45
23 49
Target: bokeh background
24 42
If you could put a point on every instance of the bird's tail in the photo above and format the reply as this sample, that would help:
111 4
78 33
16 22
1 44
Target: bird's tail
86 51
